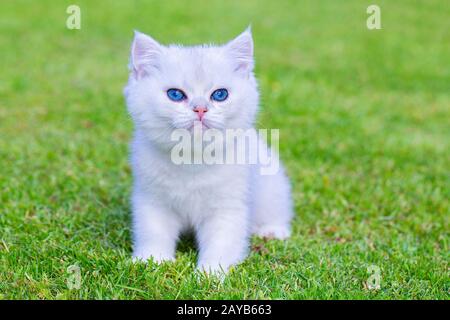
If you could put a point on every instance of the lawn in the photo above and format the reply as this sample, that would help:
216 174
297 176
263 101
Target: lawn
364 119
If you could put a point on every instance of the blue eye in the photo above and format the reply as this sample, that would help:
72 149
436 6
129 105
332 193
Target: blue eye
220 95
176 95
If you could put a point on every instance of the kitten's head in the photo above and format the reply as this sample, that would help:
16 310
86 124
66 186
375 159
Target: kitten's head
172 86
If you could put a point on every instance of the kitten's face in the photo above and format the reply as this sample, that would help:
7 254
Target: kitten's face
170 87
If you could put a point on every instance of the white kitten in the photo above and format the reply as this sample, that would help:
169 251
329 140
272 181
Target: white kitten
222 204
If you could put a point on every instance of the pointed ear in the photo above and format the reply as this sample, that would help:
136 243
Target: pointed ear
145 55
241 50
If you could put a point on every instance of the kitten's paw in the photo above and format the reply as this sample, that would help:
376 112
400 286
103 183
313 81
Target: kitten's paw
212 269
158 258
272 231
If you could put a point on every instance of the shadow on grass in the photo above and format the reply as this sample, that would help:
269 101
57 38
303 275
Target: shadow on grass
187 244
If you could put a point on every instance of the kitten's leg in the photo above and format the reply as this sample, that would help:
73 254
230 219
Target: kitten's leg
272 206
223 240
156 230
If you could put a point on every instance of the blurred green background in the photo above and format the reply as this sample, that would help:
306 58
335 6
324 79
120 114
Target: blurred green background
365 136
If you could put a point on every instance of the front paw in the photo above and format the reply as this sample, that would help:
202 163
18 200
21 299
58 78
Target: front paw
280 232
213 269
157 257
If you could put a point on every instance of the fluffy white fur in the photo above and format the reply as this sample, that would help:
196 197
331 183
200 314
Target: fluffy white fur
222 204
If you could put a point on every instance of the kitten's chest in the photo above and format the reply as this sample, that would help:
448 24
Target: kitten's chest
195 192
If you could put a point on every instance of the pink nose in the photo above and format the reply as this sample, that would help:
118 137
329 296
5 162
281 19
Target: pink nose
200 111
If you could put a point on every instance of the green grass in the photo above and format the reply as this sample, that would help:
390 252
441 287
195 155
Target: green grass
365 136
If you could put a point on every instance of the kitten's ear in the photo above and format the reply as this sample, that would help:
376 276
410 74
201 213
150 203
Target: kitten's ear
241 50
145 54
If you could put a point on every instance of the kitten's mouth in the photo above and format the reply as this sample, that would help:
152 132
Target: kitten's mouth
198 124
